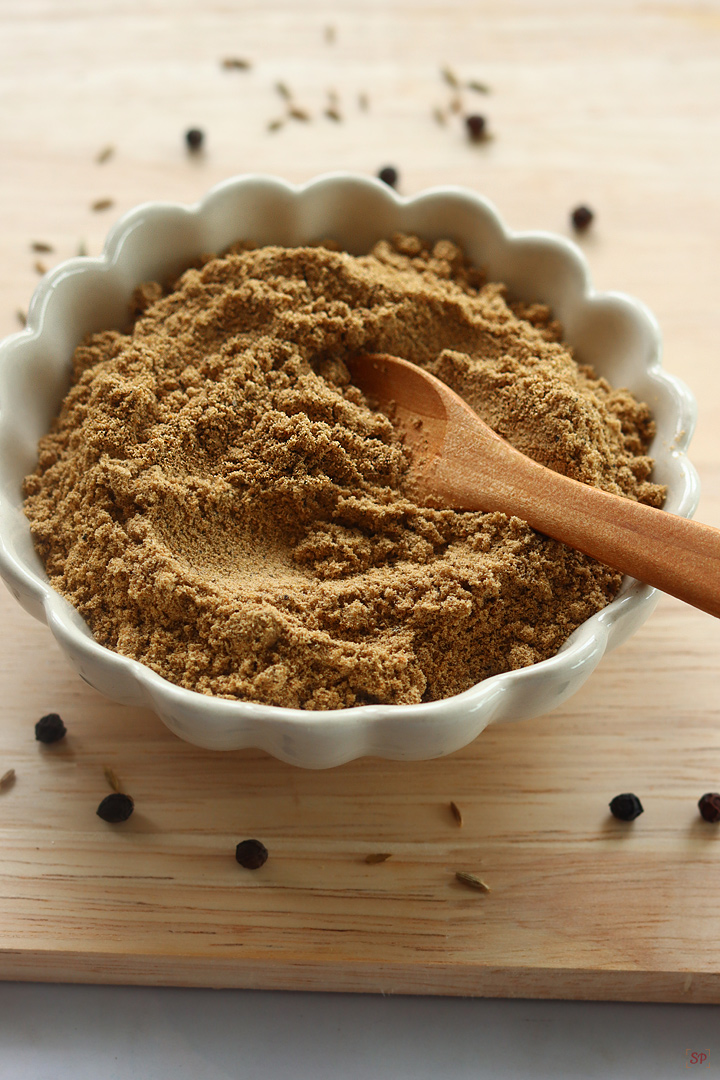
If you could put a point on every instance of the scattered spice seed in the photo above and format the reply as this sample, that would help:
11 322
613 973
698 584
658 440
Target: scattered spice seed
112 779
363 102
709 806
626 807
440 116
50 728
298 114
7 778
41 248
455 105
378 857
275 125
450 77
194 139
478 87
236 63
102 204
21 317
389 175
472 881
115 808
332 114
476 126
330 35
251 854
105 154
283 91
82 248
40 267
456 813
333 99
581 218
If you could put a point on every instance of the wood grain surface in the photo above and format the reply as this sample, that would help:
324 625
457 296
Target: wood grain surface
613 105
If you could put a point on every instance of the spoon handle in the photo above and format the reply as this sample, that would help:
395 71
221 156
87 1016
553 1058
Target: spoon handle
672 553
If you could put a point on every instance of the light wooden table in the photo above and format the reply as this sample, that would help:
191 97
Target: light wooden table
602 104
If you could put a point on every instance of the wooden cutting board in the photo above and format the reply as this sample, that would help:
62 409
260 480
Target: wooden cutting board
581 906
611 105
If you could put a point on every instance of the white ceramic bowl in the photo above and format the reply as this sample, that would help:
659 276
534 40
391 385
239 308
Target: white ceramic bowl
611 331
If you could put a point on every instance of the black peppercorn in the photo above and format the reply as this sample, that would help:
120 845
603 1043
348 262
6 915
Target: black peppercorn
389 175
194 139
116 807
475 127
581 217
709 806
626 807
50 728
251 854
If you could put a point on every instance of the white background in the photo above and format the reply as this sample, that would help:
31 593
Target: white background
120 1033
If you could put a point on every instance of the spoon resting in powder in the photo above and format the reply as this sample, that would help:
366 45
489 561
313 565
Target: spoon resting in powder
459 460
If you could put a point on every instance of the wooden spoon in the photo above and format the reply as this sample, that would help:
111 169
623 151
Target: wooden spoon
457 458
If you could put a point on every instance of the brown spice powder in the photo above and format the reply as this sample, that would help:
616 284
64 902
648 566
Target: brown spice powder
219 502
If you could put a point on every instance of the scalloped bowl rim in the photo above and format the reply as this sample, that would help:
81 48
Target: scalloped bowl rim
318 739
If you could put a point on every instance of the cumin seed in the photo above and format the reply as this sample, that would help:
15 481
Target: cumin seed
104 155
235 63
112 779
40 267
7 778
296 113
378 857
472 881
102 204
456 813
450 77
41 248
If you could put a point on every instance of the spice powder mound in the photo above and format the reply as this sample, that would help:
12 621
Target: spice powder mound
219 502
